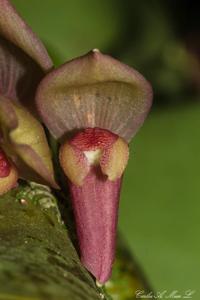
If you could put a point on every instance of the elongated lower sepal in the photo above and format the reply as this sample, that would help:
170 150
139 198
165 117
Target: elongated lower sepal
95 205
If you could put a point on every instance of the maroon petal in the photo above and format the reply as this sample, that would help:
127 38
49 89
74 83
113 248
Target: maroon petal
9 182
5 166
15 29
8 174
95 205
94 90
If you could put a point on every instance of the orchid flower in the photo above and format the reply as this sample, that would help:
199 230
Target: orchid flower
24 150
94 105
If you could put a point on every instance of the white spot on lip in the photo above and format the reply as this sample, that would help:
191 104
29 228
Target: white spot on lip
94 156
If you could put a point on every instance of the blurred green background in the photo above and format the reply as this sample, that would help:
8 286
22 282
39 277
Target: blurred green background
159 213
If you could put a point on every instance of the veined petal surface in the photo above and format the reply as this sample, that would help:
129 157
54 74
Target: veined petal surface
19 74
94 90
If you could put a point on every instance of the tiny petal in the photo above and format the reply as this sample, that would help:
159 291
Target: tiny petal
114 159
25 143
9 182
74 163
8 174
5 166
94 90
15 29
